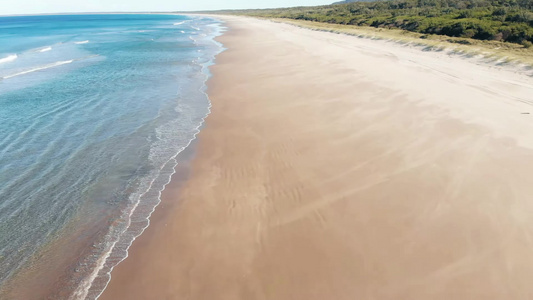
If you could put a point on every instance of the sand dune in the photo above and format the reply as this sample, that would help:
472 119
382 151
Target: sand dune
334 167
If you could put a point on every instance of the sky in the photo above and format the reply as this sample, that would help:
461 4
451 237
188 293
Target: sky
8 7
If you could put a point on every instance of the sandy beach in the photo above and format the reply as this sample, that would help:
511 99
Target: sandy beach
334 167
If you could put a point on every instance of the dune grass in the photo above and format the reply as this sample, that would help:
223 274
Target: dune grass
494 51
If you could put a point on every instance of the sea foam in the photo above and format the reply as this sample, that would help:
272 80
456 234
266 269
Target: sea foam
8 58
45 49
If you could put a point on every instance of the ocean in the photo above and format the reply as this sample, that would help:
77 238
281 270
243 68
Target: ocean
94 110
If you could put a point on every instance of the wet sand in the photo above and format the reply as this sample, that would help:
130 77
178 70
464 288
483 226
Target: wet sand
333 167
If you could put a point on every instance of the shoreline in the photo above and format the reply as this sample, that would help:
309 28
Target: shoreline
402 176
174 180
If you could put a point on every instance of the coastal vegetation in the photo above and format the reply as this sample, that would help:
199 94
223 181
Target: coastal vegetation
497 20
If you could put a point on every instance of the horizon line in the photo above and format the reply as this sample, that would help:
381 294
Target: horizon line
143 12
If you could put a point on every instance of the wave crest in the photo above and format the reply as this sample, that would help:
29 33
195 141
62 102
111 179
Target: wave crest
8 58
59 63
45 49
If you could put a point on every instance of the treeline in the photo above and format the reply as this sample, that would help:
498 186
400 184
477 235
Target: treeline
501 20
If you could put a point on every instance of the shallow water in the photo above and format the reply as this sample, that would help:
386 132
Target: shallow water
93 111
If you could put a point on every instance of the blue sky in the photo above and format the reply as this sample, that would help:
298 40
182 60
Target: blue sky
55 6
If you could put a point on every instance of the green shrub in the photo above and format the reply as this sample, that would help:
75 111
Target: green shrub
526 44
501 20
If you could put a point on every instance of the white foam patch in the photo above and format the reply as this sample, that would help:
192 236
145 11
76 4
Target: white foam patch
45 49
82 42
8 58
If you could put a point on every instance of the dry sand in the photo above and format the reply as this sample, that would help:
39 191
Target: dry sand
334 167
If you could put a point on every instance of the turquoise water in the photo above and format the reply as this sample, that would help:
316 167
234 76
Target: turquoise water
93 111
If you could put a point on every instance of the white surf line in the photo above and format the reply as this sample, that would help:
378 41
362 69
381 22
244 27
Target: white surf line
8 58
82 42
59 63
56 64
45 49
